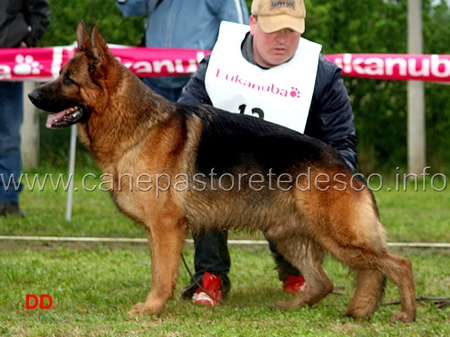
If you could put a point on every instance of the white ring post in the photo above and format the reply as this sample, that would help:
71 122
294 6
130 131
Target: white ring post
73 146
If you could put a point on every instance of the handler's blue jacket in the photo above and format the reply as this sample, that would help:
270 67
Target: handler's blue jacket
190 24
330 116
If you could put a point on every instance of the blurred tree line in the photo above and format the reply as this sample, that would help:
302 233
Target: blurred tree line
341 26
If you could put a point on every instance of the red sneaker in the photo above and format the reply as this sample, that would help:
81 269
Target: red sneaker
294 284
213 285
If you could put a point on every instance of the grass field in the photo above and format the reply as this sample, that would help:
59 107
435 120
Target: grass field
93 285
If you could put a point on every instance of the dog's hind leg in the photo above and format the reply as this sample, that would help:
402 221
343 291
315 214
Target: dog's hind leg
369 289
399 269
364 250
308 258
372 263
370 285
165 239
350 229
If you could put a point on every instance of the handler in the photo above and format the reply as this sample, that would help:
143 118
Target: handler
273 73
22 24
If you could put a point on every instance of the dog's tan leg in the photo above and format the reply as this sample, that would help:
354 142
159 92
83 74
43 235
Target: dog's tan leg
399 269
165 239
308 259
370 284
368 294
372 264
355 236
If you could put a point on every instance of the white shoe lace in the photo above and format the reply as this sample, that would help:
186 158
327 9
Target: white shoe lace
202 296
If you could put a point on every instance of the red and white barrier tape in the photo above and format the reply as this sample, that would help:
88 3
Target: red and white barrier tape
43 64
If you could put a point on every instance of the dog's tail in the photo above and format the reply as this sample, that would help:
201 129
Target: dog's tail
370 285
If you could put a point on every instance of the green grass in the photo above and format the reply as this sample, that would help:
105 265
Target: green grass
93 285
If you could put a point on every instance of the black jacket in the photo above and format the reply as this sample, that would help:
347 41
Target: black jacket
330 116
22 21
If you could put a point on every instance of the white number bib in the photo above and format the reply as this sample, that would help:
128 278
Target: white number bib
281 94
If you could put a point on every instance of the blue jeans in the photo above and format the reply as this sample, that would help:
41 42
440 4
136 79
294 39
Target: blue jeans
11 117
211 255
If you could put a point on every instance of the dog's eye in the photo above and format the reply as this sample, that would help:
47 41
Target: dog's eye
67 80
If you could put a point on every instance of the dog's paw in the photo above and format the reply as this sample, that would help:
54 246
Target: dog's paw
282 305
146 308
137 309
402 316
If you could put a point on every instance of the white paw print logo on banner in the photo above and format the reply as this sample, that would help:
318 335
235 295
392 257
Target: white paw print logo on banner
26 65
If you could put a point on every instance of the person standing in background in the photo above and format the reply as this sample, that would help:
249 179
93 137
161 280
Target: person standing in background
182 24
22 24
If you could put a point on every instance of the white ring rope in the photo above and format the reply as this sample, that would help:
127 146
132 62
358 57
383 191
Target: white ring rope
232 242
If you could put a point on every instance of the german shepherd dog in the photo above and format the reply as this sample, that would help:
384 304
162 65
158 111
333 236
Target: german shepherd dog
177 168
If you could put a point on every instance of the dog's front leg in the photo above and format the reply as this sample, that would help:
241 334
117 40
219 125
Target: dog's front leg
165 239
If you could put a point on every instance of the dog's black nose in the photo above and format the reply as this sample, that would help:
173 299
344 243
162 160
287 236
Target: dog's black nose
33 96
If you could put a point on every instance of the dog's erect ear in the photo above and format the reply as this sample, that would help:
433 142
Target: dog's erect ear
84 42
101 49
